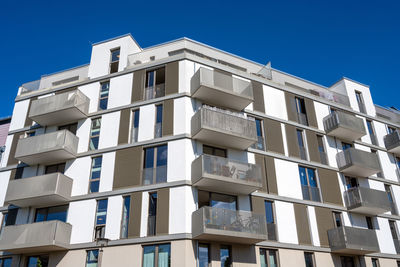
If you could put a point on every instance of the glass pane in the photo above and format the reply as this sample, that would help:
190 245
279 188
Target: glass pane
94 186
272 258
269 212
225 256
104 89
96 167
369 126
58 213
159 113
153 204
148 256
125 217
96 124
308 257
164 255
41 215
223 201
258 126
7 262
311 177
101 214
150 79
303 177
162 155
115 55
263 260
94 143
38 261
203 255
92 258
103 103
300 138
149 157
136 119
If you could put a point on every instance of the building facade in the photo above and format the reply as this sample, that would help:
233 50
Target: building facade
181 154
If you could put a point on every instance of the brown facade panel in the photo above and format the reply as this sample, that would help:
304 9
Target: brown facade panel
138 85
11 159
172 78
260 162
273 136
329 184
258 205
312 143
324 222
293 145
271 175
124 121
302 224
135 212
162 220
291 106
310 109
258 93
128 167
168 118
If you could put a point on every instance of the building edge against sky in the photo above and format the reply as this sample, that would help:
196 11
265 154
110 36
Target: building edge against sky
181 154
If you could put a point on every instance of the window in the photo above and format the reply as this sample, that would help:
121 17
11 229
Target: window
301 111
375 262
55 168
260 136
300 142
351 182
204 255
70 127
360 102
92 258
159 119
225 255
18 173
390 129
393 230
155 83
379 174
371 132
30 133
346 145
9 218
155 165
370 225
309 259
5 262
398 168
95 134
125 216
58 213
388 190
104 90
217 200
135 126
337 217
114 61
269 213
214 151
398 263
101 218
347 261
157 255
95 173
151 221
38 261
321 149
268 258
309 184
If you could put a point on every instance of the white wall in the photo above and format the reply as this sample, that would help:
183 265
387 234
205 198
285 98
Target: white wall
109 130
120 91
288 179
19 115
286 222
180 158
183 112
79 171
380 132
4 178
321 111
332 149
313 225
81 215
275 104
92 91
107 172
182 205
384 236
83 133
6 154
114 216
284 138
186 71
145 214
147 118
351 87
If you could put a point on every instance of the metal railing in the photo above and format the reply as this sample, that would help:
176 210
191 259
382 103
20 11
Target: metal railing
302 119
158 130
353 156
341 119
362 108
260 144
154 91
323 157
392 140
397 245
154 175
303 152
271 231
373 138
354 238
362 196
311 193
151 225
134 134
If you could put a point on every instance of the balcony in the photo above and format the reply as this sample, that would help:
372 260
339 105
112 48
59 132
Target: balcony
36 237
47 148
358 162
232 226
219 89
344 126
59 109
392 142
223 175
366 201
223 128
45 190
352 240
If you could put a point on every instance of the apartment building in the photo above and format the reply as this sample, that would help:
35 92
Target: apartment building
181 154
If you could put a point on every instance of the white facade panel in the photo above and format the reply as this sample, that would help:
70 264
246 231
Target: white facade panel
275 104
180 158
183 112
109 130
6 154
384 235
120 93
287 178
313 226
4 178
321 111
114 216
107 172
145 214
182 205
83 133
147 119
79 171
81 215
286 222
92 91
19 115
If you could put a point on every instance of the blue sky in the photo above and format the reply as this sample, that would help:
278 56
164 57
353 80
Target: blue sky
317 40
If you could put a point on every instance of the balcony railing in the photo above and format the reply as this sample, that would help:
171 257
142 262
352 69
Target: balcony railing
134 134
323 157
260 144
151 225
352 240
344 126
59 109
358 162
223 128
302 119
47 148
221 89
154 175
367 201
36 237
311 193
158 130
225 175
45 190
225 225
303 152
154 91
392 142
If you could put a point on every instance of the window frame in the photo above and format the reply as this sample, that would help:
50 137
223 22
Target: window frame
304 142
157 123
155 166
312 258
208 253
87 257
91 179
105 96
308 182
97 135
128 217
132 127
112 62
266 253
156 253
47 212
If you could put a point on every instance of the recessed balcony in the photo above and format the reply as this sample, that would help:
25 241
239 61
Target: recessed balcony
392 142
223 128
232 226
366 201
344 126
36 237
358 162
220 89
352 240
47 148
224 175
60 109
45 190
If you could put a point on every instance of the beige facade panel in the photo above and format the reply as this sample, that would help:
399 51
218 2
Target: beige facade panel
330 188
273 136
258 92
168 118
138 85
172 78
124 124
128 167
